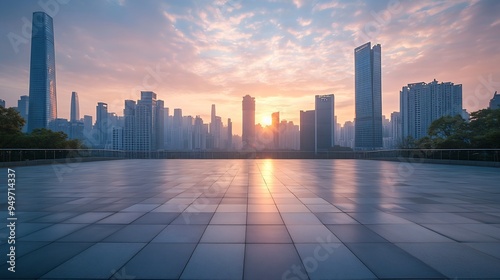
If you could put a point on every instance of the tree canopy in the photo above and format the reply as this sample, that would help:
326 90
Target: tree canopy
482 131
11 136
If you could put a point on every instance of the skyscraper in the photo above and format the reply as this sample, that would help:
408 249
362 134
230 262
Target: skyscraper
101 124
307 131
324 123
275 118
75 108
248 134
160 125
368 94
129 125
177 130
229 145
42 91
2 103
145 122
422 103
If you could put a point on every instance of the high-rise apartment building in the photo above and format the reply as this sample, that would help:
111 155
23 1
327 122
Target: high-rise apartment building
324 122
423 103
248 133
368 95
396 132
42 88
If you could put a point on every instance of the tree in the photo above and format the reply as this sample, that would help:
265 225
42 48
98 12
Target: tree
485 128
11 121
448 133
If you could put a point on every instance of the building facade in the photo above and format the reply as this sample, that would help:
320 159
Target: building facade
248 133
42 87
368 95
423 103
324 122
307 130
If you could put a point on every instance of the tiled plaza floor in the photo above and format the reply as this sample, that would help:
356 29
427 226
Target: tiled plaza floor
254 219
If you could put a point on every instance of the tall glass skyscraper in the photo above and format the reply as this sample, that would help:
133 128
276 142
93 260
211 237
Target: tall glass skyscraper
368 94
42 91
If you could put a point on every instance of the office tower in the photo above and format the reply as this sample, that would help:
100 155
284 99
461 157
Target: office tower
145 122
324 122
2 103
307 130
23 109
199 136
396 129
177 130
229 145
160 125
368 95
75 107
248 133
422 103
495 101
42 90
101 124
167 121
275 117
129 125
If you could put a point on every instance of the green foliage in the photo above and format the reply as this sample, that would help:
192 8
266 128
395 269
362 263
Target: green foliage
11 136
482 132
11 121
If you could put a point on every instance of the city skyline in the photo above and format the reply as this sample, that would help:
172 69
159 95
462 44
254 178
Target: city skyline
311 52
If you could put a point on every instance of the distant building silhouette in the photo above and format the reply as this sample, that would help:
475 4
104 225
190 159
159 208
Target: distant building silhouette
347 135
275 118
422 103
396 133
289 136
75 107
248 135
495 101
229 145
177 130
324 122
368 95
23 109
42 88
307 130
101 124
2 103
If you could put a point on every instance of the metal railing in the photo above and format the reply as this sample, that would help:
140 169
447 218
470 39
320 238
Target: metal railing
12 155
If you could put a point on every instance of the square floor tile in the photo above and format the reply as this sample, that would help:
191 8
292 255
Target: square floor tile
267 234
180 234
224 234
215 261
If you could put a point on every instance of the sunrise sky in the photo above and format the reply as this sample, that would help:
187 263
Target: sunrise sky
197 53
